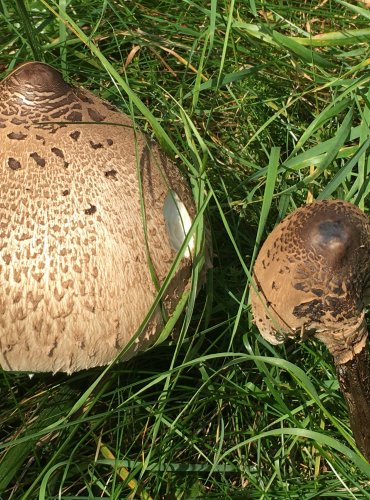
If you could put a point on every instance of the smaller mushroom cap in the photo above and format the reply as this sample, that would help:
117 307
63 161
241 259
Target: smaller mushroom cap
312 276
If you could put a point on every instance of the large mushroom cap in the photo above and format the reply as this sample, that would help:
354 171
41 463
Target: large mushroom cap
80 189
312 275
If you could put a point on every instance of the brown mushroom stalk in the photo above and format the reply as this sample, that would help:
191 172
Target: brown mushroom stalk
313 278
92 216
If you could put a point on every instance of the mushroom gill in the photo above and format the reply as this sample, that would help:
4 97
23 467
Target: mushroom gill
85 241
312 277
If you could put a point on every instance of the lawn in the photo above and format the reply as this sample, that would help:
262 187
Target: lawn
265 106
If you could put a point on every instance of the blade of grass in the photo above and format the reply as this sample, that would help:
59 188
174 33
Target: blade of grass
31 33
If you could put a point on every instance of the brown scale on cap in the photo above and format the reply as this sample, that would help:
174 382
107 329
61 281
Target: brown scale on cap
75 279
313 277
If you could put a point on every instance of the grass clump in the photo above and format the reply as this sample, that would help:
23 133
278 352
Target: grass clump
265 105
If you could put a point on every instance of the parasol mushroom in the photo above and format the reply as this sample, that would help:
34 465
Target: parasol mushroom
92 216
313 277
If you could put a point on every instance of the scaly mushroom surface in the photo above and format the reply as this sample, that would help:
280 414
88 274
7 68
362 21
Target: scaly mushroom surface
75 265
313 277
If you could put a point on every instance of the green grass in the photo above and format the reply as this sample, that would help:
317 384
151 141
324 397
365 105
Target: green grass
262 115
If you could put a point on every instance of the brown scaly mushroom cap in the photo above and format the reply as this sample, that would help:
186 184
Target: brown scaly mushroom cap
74 269
313 277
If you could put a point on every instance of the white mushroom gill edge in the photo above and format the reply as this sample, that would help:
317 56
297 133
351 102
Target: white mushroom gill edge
178 223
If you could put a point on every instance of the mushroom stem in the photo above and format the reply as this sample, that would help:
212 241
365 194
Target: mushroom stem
354 381
350 352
